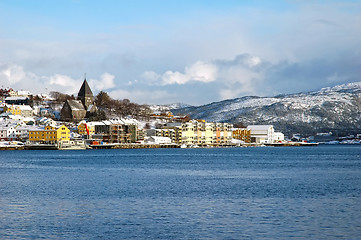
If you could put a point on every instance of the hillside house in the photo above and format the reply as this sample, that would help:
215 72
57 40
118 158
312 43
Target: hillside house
17 100
21 110
7 133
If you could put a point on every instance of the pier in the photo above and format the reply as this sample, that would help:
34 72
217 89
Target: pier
132 146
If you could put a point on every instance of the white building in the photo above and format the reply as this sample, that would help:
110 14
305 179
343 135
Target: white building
262 133
7 133
159 140
22 132
24 93
278 137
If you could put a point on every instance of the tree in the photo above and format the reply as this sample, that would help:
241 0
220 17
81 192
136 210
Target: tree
61 97
239 125
97 116
103 100
121 108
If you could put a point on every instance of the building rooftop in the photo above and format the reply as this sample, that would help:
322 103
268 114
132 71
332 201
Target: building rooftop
85 90
75 105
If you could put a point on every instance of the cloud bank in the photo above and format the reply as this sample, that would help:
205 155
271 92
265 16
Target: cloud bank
208 54
14 76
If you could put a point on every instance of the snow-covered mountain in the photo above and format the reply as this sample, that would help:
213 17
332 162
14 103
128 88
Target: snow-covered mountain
336 109
168 107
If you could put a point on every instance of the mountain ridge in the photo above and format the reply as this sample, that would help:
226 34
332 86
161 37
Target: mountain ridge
336 109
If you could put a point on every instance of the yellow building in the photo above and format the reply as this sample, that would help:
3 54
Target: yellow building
204 133
50 134
22 110
14 110
242 134
82 128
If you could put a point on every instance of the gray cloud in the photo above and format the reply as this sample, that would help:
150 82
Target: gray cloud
204 57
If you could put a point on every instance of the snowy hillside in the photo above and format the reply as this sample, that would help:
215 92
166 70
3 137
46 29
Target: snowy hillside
335 109
168 107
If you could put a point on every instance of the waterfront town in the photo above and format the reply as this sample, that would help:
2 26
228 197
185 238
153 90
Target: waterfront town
42 122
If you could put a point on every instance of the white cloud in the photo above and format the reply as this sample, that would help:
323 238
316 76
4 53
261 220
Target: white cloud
106 82
253 61
199 72
63 83
61 80
170 77
11 74
238 80
150 76
230 93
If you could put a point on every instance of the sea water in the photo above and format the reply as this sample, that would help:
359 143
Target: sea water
219 193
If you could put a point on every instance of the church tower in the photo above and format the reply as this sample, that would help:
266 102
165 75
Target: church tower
85 95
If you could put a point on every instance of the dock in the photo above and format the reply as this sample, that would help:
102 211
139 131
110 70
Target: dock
292 144
132 146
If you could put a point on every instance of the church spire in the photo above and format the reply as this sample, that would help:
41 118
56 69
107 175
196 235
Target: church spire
85 93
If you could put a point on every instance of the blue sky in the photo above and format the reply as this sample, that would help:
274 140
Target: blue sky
195 52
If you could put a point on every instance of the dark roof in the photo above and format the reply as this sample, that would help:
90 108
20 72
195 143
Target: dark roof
75 105
85 90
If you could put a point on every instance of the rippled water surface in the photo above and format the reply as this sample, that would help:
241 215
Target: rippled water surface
231 193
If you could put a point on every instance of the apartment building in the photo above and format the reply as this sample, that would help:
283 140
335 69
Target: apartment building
50 134
202 133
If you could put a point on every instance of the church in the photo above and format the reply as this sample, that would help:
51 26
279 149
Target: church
77 110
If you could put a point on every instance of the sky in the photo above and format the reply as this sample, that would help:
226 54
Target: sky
190 51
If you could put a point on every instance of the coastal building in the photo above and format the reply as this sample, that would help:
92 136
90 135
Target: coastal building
7 133
278 137
173 133
202 133
242 134
112 131
86 128
22 132
261 133
77 110
158 140
123 133
50 134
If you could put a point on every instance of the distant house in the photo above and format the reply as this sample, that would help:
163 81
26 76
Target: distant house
22 110
278 137
77 110
7 133
17 100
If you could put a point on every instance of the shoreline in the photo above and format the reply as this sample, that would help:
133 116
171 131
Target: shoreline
141 146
